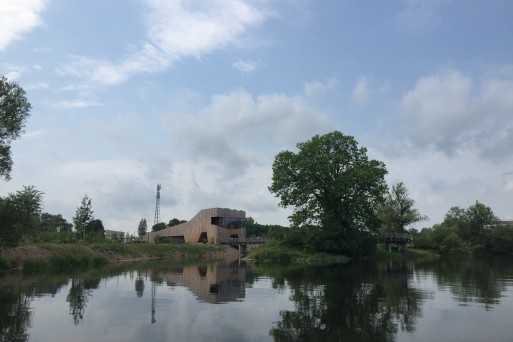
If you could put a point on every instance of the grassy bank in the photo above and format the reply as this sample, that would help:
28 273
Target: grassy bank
276 254
54 257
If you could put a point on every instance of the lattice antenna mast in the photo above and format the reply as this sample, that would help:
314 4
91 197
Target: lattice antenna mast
157 206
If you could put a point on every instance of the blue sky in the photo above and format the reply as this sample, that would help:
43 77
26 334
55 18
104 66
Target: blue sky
200 96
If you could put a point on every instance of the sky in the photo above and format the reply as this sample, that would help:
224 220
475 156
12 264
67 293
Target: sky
200 95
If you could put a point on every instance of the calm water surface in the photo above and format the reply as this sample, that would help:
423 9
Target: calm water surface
446 300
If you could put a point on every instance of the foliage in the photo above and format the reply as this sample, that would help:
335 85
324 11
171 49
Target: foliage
158 226
53 223
255 229
452 244
278 254
83 216
333 185
19 214
95 227
175 222
52 236
397 212
423 239
142 228
501 240
474 230
14 111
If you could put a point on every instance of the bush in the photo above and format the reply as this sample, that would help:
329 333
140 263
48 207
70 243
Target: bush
501 240
453 245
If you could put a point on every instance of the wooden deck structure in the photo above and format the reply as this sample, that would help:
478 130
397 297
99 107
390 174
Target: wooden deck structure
398 239
241 244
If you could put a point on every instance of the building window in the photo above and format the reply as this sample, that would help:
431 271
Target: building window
228 222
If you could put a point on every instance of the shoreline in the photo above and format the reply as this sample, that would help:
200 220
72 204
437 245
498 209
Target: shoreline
54 257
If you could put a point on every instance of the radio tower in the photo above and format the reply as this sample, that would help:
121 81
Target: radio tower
157 206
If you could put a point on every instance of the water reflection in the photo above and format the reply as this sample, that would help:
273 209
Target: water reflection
80 291
473 280
369 301
14 316
213 283
345 303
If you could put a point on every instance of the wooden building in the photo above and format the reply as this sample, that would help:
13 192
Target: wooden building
208 226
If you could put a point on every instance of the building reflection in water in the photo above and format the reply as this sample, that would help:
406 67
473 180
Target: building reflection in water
212 283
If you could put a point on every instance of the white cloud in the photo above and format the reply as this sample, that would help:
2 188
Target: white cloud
175 29
317 89
18 17
240 125
449 111
420 15
361 92
38 85
509 186
33 134
437 182
75 104
246 66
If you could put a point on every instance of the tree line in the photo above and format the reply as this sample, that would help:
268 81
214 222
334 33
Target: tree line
341 202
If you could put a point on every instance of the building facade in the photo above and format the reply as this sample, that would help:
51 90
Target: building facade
208 226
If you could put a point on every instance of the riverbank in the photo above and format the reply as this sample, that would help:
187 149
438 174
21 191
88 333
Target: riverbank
52 256
276 254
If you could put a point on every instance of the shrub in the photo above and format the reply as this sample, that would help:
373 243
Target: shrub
453 245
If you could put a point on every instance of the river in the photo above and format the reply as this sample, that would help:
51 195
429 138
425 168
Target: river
442 300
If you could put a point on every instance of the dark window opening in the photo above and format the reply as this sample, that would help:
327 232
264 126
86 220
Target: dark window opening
228 222
203 238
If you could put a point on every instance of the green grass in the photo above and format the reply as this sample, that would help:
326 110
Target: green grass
80 256
156 250
280 255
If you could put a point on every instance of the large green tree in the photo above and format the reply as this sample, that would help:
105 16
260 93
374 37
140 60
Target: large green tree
397 212
14 111
332 186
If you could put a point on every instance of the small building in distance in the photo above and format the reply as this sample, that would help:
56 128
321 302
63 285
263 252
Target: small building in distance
207 226
109 234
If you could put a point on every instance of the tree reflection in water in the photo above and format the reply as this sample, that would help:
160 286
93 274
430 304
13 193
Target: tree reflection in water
14 316
474 280
366 303
79 292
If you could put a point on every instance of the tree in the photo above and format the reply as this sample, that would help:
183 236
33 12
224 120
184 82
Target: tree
14 111
332 184
473 224
175 222
83 216
54 223
158 226
19 214
397 212
143 227
95 227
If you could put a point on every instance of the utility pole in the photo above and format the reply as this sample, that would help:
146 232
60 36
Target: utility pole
157 206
